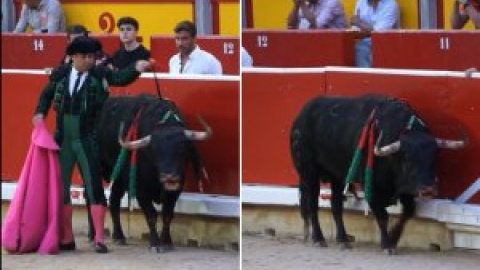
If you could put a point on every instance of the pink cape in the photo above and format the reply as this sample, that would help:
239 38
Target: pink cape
33 220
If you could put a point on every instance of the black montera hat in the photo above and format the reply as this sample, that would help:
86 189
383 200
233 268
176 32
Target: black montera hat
84 45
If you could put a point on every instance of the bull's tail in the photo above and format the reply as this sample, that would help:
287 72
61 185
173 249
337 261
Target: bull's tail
303 158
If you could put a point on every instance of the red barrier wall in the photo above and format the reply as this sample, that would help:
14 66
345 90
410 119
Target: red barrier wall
270 103
110 43
216 100
225 49
448 104
438 50
28 51
297 48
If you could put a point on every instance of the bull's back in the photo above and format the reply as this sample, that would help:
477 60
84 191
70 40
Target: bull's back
326 132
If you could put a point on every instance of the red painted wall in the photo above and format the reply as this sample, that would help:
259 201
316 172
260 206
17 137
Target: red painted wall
217 101
271 102
437 50
297 48
23 51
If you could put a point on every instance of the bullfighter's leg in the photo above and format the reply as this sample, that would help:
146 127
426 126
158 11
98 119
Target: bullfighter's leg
67 163
167 217
89 161
337 210
151 216
381 216
408 210
118 191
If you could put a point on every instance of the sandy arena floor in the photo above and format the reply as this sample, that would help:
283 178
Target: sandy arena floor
135 256
267 253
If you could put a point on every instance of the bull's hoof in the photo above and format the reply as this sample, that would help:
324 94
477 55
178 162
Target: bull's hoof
345 245
155 249
390 251
163 249
350 238
321 243
121 242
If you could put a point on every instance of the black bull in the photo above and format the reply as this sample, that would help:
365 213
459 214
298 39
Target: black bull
323 140
164 146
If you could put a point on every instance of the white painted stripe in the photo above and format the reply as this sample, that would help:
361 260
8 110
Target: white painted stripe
384 71
436 209
24 71
282 70
230 78
188 203
144 75
469 192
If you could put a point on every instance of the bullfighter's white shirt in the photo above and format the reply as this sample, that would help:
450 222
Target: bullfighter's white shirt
198 62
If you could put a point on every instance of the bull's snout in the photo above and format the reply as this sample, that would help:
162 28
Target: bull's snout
171 182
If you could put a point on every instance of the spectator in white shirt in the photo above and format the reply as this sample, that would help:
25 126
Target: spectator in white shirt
43 16
247 60
373 15
191 59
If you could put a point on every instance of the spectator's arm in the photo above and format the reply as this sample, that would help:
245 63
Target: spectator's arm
22 22
309 15
216 67
457 20
247 60
326 14
474 15
388 19
148 55
55 18
293 16
172 67
363 25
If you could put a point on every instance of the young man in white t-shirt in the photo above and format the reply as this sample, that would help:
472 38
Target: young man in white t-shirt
191 59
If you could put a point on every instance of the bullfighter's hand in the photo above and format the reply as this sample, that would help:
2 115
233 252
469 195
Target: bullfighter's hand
37 118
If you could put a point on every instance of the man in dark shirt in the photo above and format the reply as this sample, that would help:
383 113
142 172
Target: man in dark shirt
132 50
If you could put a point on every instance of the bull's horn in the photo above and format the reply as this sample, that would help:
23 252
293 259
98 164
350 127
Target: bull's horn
199 135
134 145
387 149
453 144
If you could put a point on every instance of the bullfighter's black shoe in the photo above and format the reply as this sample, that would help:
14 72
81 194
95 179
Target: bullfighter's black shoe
100 247
68 247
